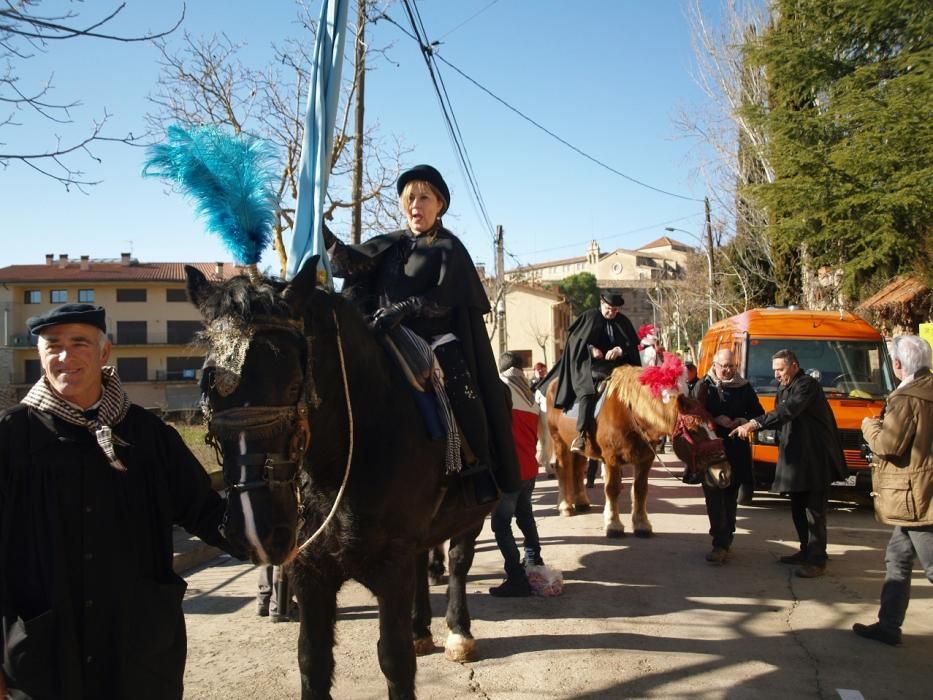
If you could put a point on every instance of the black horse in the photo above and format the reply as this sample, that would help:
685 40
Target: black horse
319 433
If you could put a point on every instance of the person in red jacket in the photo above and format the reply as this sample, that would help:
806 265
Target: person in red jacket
517 504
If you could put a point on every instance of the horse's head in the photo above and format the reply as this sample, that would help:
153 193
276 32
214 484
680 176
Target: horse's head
695 443
257 388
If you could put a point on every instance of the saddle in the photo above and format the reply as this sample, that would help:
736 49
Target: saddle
416 360
413 356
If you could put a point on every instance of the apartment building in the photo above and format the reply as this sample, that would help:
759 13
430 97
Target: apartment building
149 320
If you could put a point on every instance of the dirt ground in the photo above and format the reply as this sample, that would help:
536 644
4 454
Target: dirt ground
639 618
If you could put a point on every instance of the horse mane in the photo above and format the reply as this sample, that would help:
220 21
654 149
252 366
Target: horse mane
244 299
651 412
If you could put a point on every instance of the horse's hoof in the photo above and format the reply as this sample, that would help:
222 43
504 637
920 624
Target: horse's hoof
565 512
582 507
615 532
423 645
460 648
644 533
437 580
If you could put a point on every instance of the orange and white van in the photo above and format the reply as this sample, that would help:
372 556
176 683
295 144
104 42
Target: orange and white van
847 356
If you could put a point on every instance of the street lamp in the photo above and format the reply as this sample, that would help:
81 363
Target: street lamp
709 267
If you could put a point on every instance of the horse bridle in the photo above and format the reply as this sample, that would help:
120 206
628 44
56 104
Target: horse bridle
255 470
701 452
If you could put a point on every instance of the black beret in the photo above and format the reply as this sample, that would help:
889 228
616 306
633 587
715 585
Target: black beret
69 313
612 298
425 173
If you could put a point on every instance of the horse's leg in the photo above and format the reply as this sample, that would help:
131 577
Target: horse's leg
611 520
436 565
581 499
421 607
317 602
565 477
640 523
460 645
395 591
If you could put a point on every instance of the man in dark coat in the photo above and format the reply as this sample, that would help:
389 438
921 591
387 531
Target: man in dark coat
599 341
732 401
90 488
809 457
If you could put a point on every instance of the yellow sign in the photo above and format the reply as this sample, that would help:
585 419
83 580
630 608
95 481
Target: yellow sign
926 332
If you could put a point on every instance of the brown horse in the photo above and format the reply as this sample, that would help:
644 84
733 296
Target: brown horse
632 418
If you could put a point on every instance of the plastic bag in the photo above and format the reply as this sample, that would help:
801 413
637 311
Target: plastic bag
545 581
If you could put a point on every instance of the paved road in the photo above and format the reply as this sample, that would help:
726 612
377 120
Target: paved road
638 618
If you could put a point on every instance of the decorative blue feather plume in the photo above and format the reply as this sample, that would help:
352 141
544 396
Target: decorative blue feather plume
230 179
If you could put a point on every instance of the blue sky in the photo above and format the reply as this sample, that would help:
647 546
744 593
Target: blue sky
608 76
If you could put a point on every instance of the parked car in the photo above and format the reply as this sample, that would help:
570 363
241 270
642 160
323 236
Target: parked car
847 355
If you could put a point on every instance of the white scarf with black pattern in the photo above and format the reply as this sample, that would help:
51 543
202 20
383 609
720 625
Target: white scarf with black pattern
111 409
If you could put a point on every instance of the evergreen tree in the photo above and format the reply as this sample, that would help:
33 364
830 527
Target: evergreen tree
850 133
581 292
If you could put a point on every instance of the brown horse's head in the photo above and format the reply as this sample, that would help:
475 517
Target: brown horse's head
257 389
695 443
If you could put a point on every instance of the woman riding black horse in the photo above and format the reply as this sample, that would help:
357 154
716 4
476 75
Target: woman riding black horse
423 278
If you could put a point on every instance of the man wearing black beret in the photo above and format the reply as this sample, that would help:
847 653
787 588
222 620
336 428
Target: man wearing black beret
90 488
599 341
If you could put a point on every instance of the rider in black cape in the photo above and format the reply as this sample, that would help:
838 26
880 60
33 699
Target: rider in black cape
423 277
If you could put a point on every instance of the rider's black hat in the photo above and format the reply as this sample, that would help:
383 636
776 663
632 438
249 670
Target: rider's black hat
428 174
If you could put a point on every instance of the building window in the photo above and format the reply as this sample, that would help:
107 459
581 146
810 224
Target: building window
176 295
33 370
131 295
182 368
131 333
58 296
133 369
182 332
86 296
32 296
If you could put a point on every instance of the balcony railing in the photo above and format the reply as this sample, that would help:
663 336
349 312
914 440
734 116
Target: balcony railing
177 375
23 340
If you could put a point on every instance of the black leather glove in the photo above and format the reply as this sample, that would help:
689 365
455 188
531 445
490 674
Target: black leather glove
388 317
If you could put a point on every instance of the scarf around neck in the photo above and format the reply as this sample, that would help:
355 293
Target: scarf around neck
515 379
111 409
720 384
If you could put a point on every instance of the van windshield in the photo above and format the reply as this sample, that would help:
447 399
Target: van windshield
847 369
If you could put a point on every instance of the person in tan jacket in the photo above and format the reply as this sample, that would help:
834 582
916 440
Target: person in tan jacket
902 482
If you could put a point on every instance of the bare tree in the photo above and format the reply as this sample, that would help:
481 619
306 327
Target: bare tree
205 83
738 146
24 33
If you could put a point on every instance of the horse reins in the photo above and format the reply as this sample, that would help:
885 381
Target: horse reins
346 473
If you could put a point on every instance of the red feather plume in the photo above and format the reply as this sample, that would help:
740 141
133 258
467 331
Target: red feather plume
665 376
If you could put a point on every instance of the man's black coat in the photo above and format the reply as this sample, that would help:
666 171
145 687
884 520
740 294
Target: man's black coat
576 367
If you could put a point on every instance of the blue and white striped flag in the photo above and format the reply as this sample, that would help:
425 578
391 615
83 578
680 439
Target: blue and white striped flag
314 167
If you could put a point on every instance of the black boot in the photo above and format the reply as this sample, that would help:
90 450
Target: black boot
479 485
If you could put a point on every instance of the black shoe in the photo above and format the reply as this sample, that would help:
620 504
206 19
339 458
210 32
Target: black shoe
511 588
717 556
878 633
810 570
262 607
797 558
746 492
537 561
590 484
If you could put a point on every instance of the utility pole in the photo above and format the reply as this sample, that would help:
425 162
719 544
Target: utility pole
356 227
500 291
709 248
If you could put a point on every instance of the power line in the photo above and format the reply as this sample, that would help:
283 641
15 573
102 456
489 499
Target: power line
609 238
433 51
468 19
453 128
564 141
